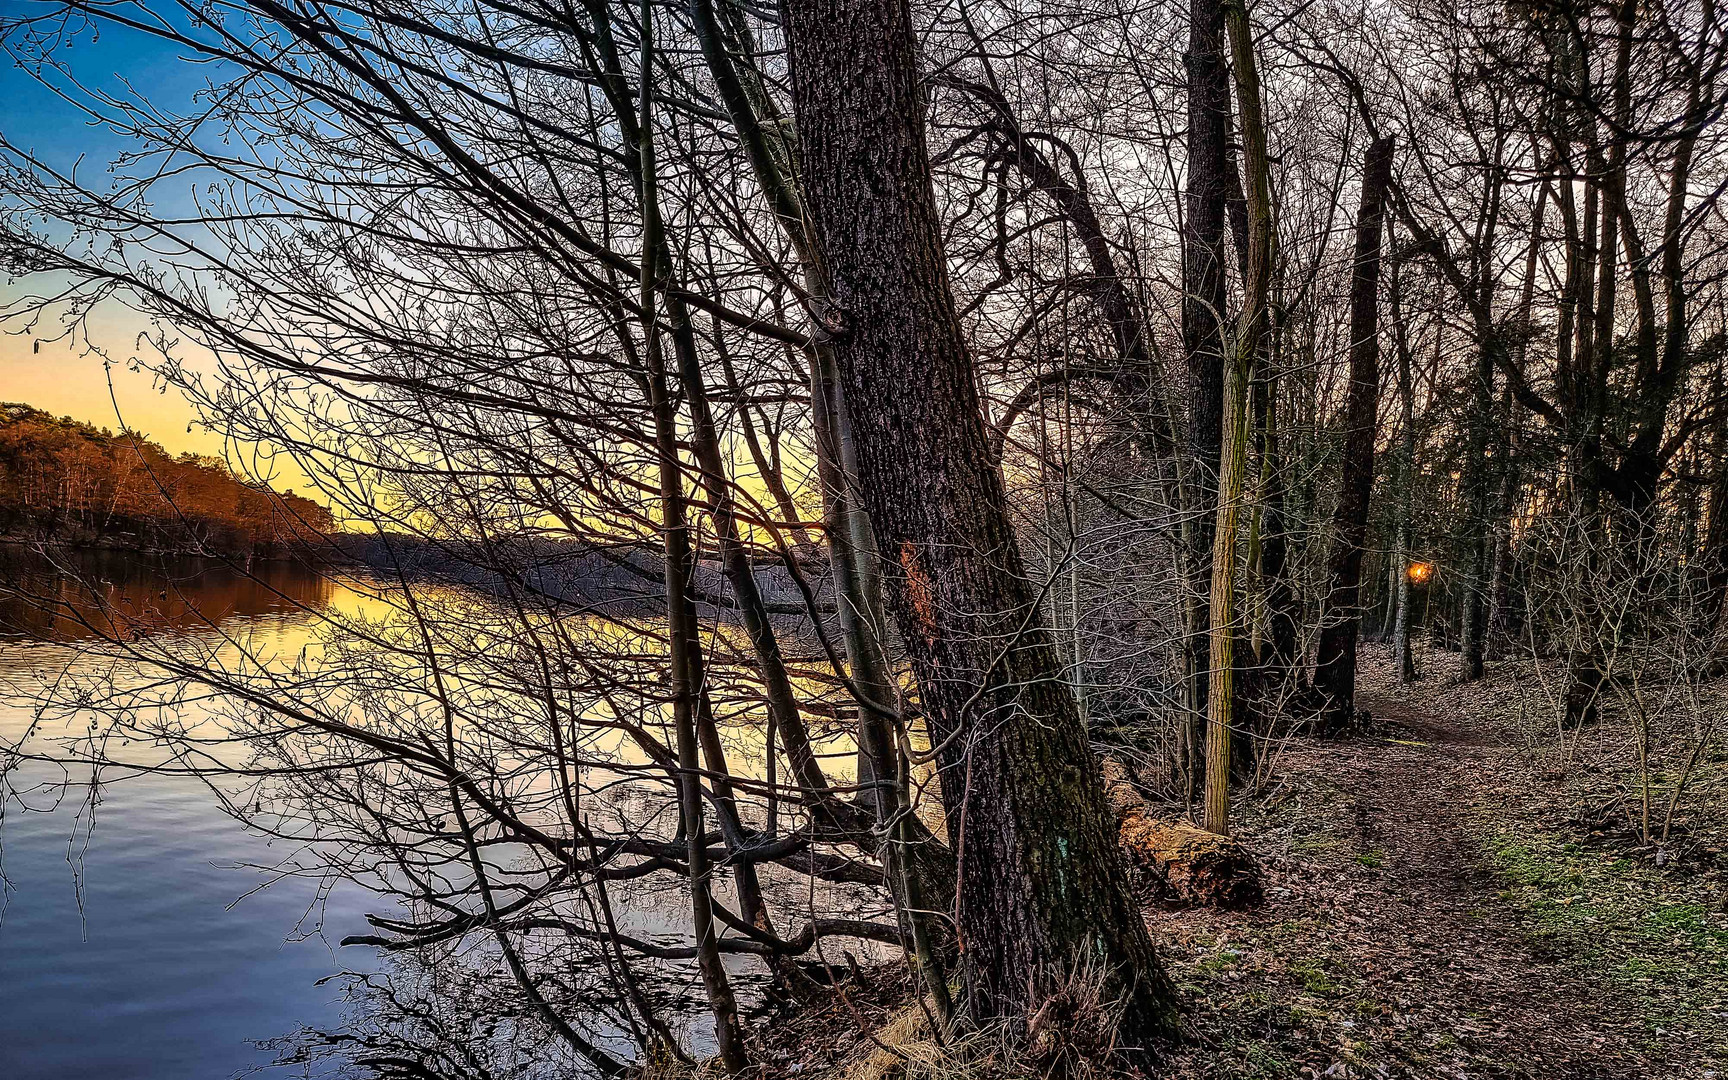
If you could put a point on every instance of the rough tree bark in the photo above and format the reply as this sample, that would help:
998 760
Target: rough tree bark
915 866
1335 665
1042 886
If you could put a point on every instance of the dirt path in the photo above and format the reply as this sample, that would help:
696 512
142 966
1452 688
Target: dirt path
1439 938
1386 948
1419 924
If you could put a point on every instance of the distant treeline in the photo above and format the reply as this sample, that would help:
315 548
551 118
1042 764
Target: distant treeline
617 577
70 482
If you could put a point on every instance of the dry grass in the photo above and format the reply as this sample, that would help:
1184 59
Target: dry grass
1073 1034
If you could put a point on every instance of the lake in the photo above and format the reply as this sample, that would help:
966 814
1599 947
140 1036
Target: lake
148 933
126 949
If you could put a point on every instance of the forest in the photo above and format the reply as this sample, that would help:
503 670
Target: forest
62 481
1164 537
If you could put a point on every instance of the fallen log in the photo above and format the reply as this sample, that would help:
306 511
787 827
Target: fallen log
1188 863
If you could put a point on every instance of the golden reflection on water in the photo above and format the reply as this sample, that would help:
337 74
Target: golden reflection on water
69 620
78 633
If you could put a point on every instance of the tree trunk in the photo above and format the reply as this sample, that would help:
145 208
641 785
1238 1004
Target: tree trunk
1042 886
1221 693
1335 668
1232 469
918 872
1401 655
915 866
682 631
1204 299
1585 674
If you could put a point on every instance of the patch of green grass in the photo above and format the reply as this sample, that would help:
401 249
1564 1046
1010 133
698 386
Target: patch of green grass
1625 923
1522 861
1686 927
1373 860
1315 844
1314 977
1551 889
1219 962
1262 1061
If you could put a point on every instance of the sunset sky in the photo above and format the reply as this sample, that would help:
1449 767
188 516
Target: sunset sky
71 379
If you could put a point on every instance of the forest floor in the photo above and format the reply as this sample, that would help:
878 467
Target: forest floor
1446 898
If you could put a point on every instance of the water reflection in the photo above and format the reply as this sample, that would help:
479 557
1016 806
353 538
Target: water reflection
122 951
69 595
338 698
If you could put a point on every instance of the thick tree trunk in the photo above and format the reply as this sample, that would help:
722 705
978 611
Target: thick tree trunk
1335 667
919 873
1585 676
916 867
1042 886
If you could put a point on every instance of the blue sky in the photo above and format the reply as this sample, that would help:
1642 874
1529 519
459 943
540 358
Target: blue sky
58 377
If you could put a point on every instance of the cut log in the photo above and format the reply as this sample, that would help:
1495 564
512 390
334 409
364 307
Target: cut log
1189 863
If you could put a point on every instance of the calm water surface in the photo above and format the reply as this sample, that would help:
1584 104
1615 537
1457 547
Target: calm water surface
123 952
